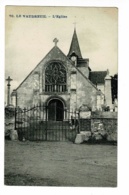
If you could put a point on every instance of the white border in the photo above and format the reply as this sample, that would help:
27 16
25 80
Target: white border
123 128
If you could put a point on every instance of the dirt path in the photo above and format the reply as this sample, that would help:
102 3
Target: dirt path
60 164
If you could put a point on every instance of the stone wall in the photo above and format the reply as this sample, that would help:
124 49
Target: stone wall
105 123
86 92
104 115
103 128
10 132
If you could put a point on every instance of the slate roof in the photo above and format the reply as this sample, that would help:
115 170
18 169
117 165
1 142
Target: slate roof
74 47
97 77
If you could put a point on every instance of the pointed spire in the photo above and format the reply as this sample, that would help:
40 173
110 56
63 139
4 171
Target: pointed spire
75 48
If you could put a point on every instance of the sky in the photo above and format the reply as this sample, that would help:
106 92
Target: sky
28 40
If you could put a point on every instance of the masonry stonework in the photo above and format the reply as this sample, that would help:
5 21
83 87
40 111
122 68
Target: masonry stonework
76 89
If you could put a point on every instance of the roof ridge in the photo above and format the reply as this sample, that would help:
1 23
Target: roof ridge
40 62
100 71
35 68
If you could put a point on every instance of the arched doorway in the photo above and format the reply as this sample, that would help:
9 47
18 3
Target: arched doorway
55 110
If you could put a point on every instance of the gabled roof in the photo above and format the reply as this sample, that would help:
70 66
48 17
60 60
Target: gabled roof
97 77
53 52
75 46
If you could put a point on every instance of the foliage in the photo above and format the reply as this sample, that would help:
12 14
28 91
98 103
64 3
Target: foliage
114 87
105 108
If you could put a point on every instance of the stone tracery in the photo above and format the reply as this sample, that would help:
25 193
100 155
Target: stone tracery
55 77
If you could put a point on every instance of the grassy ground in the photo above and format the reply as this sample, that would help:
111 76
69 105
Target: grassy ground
60 164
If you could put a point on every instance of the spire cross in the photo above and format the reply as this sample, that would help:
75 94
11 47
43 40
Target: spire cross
55 41
75 25
75 22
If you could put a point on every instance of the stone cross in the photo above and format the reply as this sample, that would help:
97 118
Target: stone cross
8 89
55 41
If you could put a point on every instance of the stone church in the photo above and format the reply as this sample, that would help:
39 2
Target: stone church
64 81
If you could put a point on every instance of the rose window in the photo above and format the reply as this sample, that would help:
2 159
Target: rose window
55 78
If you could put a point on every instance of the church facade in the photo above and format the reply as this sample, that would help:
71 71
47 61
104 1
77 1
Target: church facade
64 81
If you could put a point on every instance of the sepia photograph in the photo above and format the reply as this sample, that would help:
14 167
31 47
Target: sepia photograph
61 96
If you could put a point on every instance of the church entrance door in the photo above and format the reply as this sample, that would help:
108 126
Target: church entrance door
55 110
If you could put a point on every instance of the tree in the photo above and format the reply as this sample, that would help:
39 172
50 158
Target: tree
114 87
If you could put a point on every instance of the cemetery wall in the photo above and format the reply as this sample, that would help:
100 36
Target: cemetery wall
10 132
98 126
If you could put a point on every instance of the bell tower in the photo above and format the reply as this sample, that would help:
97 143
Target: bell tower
75 55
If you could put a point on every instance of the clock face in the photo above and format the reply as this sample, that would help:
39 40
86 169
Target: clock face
73 58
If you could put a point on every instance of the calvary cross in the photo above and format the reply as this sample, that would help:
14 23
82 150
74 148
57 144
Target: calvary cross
8 90
9 80
55 41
